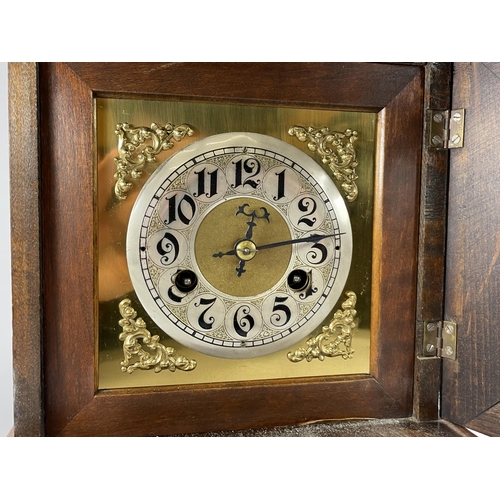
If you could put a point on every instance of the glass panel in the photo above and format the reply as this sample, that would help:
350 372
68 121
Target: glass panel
114 282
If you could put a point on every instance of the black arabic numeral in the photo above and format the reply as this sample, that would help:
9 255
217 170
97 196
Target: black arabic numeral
244 325
278 310
201 183
281 186
312 256
203 321
184 209
308 206
168 248
173 296
248 166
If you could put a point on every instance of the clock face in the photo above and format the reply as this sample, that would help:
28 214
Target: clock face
239 245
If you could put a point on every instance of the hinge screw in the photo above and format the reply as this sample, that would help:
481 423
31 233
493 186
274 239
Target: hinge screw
431 327
456 139
429 347
448 350
438 117
457 117
437 140
449 329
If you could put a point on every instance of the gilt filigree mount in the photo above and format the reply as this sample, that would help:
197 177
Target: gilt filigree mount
132 159
336 334
160 357
336 150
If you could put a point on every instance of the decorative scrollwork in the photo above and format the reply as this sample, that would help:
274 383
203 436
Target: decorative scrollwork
135 330
328 342
133 159
336 150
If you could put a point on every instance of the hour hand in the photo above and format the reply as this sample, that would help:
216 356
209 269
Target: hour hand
244 250
241 266
221 254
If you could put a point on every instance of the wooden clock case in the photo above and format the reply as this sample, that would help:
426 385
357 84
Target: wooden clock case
436 245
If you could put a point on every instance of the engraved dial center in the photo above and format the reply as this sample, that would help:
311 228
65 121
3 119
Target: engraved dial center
220 229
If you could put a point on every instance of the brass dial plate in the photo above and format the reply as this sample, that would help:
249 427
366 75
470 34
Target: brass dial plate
112 219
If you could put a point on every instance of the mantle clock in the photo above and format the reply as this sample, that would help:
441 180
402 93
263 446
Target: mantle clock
242 255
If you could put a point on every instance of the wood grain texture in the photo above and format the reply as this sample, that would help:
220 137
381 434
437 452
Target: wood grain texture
427 388
72 405
487 422
338 85
432 243
434 201
68 239
214 408
25 248
471 385
395 241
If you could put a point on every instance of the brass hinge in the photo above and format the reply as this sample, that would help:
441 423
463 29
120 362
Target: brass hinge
440 339
446 128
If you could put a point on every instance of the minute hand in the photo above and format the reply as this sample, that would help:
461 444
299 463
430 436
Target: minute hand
308 239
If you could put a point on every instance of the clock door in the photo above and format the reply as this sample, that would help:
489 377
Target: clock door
73 402
471 385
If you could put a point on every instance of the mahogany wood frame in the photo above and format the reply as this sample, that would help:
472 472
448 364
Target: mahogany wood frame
54 241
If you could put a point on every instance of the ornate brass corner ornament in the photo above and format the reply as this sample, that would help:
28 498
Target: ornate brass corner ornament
132 159
339 329
135 330
336 150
